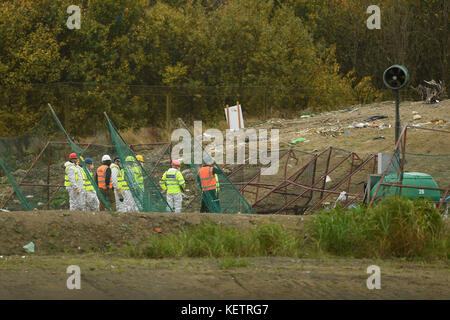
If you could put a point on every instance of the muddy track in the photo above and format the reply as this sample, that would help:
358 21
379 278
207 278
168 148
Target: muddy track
262 278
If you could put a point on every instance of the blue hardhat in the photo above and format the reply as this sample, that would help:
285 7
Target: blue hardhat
88 161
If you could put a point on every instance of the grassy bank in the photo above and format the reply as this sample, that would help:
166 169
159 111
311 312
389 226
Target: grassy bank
393 228
215 240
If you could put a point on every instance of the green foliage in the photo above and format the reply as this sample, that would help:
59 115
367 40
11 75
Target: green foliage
413 33
231 262
215 240
203 54
396 227
273 56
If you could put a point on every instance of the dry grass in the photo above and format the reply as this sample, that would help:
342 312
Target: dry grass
145 135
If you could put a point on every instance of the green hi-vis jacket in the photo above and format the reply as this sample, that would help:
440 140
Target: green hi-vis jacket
172 181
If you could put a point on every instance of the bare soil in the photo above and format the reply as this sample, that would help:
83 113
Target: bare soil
64 238
261 278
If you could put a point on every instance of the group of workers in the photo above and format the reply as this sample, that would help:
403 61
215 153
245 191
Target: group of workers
110 177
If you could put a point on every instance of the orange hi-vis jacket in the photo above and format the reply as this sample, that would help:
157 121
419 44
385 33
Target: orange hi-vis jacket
207 178
101 174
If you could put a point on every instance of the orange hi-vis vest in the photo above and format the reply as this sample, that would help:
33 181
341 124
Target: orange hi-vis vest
101 174
207 178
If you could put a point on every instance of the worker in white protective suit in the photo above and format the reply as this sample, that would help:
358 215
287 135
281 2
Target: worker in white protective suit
73 183
115 179
123 184
92 202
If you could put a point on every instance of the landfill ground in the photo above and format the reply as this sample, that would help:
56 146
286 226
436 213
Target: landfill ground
65 238
332 128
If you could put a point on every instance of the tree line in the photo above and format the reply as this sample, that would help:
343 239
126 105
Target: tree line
148 62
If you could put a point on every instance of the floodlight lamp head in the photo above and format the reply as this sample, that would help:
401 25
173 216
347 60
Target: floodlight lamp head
396 77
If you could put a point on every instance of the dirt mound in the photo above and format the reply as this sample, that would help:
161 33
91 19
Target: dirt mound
77 232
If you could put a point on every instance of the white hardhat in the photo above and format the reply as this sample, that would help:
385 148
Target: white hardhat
106 158
208 160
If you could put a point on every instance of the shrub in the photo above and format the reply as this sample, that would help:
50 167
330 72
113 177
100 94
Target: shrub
396 227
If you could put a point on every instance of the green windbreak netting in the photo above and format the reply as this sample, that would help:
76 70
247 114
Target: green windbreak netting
228 199
12 181
93 151
32 168
145 191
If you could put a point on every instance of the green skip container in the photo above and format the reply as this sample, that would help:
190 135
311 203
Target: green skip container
411 179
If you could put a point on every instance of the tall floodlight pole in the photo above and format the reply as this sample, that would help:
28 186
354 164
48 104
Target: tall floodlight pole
397 116
396 77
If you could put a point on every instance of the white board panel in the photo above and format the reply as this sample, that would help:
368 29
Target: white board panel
234 117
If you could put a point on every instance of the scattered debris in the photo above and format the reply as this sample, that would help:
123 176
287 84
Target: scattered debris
159 230
306 116
4 210
207 136
29 196
29 247
342 197
358 125
379 138
373 118
431 95
347 132
294 141
417 117
327 179
438 122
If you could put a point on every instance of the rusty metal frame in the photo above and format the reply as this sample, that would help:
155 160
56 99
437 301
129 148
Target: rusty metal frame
309 189
323 177
341 183
296 174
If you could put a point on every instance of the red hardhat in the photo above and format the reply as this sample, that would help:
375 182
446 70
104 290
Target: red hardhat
176 163
73 155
